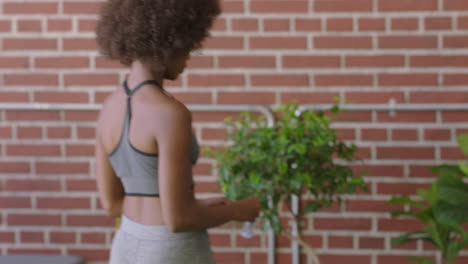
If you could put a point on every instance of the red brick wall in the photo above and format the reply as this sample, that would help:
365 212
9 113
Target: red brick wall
262 52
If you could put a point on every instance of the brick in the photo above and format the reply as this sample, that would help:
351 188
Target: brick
454 116
229 43
311 61
343 80
455 5
207 187
244 24
338 259
32 115
408 79
5 132
77 115
32 185
87 25
455 79
308 24
86 132
375 61
371 243
232 6
345 134
438 23
289 43
103 62
371 24
5 26
77 7
438 61
93 238
248 242
220 24
228 257
374 134
379 170
371 206
43 167
451 153
33 220
373 97
279 6
247 62
14 97
402 5
61 97
264 98
63 203
276 25
29 132
33 150
203 168
220 240
14 62
193 98
7 237
392 259
58 237
90 254
34 251
421 171
462 22
339 24
81 185
407 116
62 62
90 220
410 153
343 6
342 42
58 24
280 80
23 44
308 97
340 242
58 132
399 225
400 188
31 79
32 237
90 79
29 25
212 80
78 150
407 42
30 8
405 24
434 134
454 41
404 134
199 62
342 223
258 257
15 202
355 116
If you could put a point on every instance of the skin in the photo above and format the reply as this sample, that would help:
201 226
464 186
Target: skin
169 134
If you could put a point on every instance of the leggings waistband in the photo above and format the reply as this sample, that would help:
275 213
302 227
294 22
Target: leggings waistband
156 232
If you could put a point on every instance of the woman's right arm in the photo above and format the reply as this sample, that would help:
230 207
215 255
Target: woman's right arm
180 209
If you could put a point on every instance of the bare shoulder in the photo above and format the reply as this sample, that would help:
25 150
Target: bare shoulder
172 114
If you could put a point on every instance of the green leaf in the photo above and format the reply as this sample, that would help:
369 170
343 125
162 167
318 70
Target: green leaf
464 168
451 214
453 250
435 235
463 143
409 237
312 206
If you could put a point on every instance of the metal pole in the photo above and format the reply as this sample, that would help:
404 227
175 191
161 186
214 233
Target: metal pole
198 108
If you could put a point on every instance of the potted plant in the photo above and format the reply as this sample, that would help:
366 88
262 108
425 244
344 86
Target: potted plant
301 155
443 210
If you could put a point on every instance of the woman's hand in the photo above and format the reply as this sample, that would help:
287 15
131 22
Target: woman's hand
217 201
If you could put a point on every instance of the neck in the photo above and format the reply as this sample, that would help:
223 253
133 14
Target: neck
140 72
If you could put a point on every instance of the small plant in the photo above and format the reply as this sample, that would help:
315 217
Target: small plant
443 211
298 156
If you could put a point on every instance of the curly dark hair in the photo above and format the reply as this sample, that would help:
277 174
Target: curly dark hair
153 30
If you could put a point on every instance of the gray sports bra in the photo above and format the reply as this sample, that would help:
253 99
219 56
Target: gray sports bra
138 170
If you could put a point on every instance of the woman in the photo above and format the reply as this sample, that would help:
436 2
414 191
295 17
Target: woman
145 147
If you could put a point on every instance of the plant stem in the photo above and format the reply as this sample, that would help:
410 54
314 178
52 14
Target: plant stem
304 244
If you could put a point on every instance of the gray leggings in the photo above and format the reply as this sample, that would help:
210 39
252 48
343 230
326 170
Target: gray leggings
135 243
